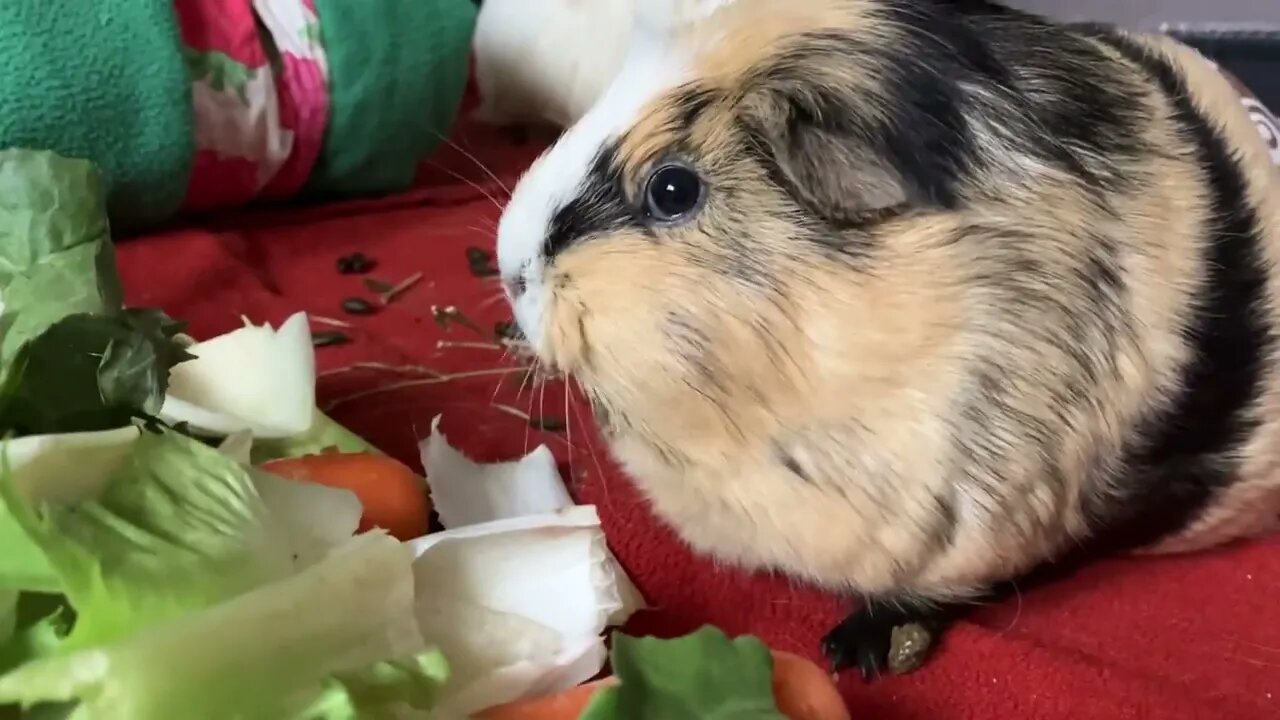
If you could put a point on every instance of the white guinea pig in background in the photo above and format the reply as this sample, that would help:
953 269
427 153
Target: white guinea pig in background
548 62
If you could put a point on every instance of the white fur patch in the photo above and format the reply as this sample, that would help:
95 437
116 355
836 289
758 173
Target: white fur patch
653 64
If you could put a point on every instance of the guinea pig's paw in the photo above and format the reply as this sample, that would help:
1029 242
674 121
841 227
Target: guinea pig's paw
885 634
860 640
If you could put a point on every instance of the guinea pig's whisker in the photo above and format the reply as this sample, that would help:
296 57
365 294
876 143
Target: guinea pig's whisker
384 367
483 168
600 474
497 387
419 382
568 427
532 393
478 187
1017 613
490 302
483 230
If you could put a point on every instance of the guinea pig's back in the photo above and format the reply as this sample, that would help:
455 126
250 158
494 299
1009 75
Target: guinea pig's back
1243 204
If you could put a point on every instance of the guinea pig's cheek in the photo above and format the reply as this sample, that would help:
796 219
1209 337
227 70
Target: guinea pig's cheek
565 340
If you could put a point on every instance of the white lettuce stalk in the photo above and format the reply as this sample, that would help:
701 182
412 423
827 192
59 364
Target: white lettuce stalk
519 590
254 378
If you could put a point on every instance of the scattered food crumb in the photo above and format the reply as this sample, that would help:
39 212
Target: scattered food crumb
480 262
326 338
445 316
441 344
908 647
354 264
358 306
401 288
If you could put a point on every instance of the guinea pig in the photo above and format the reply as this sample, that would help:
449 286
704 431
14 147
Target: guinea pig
913 299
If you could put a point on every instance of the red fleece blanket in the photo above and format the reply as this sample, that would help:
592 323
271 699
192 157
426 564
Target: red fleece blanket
1170 638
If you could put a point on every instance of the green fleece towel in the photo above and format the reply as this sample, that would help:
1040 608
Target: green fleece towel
101 80
397 72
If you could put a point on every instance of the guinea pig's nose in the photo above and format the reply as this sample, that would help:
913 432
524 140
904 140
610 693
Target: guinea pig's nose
515 286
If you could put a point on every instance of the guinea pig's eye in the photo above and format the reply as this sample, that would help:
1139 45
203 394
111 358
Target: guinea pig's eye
672 193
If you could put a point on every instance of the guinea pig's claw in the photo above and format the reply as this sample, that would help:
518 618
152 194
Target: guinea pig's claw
859 641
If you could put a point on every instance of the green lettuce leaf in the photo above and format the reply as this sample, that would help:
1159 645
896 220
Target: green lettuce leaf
176 525
48 204
23 565
263 655
200 593
325 434
80 280
389 690
37 625
703 676
90 372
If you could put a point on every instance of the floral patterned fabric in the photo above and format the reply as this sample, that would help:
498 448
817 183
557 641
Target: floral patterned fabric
260 95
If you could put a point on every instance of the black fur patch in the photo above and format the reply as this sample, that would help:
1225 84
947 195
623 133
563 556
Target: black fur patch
923 145
600 207
956 63
1184 457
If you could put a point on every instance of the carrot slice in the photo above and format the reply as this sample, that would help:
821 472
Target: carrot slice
801 689
567 705
394 496
804 691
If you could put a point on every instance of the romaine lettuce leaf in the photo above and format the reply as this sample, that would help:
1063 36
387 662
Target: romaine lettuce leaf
48 204
80 280
176 525
325 435
193 595
701 676
90 372
262 655
36 625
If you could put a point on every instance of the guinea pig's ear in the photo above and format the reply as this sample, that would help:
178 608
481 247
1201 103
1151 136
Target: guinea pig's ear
845 165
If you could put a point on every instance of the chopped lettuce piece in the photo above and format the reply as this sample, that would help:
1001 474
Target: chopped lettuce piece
324 435
48 204
517 605
54 468
80 280
177 525
254 378
90 372
22 564
465 492
314 518
263 655
36 625
391 690
701 676
8 614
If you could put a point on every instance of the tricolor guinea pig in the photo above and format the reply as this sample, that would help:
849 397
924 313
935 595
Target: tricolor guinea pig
914 298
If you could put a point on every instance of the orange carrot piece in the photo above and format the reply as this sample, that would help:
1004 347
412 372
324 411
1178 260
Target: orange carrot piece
393 495
804 691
